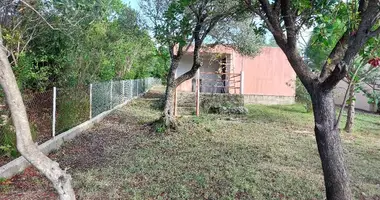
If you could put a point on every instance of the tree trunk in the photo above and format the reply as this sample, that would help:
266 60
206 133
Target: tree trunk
351 109
169 118
329 146
25 145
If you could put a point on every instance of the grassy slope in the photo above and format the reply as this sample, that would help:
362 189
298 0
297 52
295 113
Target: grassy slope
269 154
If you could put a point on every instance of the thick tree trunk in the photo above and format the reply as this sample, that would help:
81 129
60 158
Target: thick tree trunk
329 146
351 110
169 118
25 145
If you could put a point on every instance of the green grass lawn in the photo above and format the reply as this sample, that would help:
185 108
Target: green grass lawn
269 154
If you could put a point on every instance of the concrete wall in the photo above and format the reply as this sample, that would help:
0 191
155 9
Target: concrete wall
228 100
187 99
268 99
361 100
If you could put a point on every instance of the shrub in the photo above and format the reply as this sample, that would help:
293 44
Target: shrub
302 96
8 142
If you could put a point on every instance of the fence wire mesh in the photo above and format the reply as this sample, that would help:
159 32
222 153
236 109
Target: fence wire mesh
101 97
106 95
128 89
39 108
72 107
117 93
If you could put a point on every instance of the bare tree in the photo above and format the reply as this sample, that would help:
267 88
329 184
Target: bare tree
284 19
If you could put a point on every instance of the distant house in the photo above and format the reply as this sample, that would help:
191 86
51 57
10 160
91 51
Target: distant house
361 100
266 78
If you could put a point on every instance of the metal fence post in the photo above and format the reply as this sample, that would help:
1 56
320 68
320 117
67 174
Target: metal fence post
111 94
146 85
54 110
197 99
123 91
131 87
137 86
90 101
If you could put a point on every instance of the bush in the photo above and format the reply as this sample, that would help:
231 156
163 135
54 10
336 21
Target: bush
302 96
8 146
8 140
238 110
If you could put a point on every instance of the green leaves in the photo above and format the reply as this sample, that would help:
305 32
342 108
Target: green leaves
96 40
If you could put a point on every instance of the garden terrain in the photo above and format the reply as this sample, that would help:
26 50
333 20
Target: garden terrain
268 154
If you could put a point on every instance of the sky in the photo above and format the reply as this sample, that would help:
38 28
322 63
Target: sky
133 3
305 33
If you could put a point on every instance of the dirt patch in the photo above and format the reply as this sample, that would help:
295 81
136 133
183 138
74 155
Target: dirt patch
30 184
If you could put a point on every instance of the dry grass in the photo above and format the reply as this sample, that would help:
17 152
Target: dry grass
268 154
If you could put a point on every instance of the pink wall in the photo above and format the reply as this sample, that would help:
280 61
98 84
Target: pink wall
186 86
268 73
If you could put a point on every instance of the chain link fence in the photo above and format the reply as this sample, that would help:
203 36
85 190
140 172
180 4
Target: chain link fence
60 109
39 108
72 108
106 95
55 111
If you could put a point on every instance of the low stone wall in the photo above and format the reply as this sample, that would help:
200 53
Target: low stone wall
187 99
221 99
268 100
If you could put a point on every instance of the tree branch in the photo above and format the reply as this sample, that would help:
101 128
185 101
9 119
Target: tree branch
336 75
39 14
291 35
358 39
346 96
350 44
375 32
335 56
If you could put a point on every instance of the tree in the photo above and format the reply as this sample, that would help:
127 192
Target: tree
239 33
284 19
177 24
180 24
25 145
360 73
89 41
